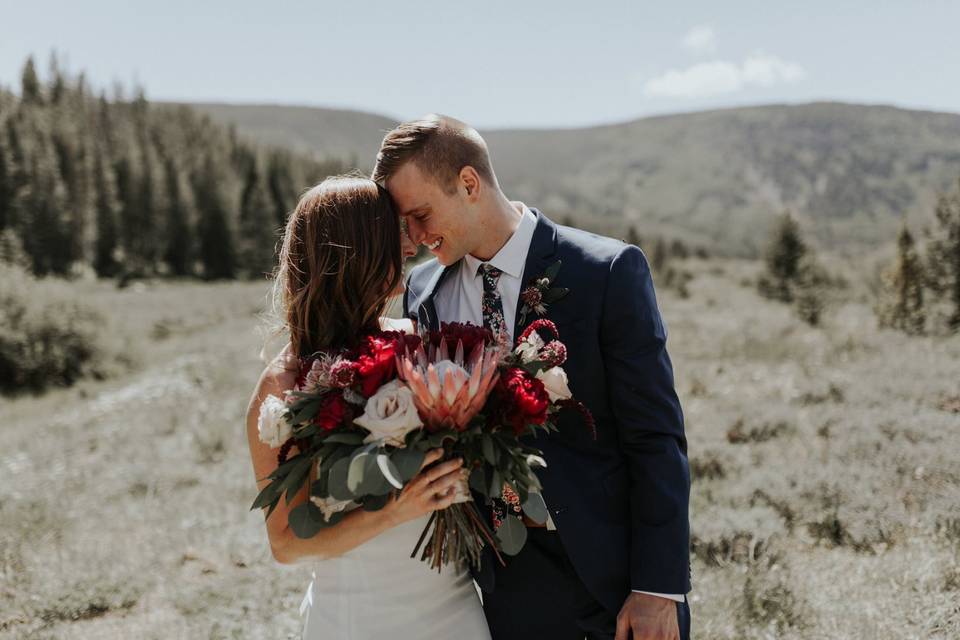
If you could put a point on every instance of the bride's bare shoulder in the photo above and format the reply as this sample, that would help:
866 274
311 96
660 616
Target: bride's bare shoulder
398 324
281 372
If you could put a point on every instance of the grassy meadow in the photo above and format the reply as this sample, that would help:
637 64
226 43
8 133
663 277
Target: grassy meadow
826 493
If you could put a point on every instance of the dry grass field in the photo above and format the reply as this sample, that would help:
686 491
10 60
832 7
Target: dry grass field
826 463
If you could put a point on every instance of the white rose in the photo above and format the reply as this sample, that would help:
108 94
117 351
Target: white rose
390 414
554 381
272 425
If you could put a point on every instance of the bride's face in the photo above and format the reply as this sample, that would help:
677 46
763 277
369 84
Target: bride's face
407 250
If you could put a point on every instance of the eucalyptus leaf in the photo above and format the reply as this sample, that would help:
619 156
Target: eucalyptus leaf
306 520
478 481
489 450
512 535
356 471
374 482
408 461
536 508
375 503
337 480
389 471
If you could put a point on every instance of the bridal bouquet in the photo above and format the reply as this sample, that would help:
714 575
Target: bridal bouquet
361 422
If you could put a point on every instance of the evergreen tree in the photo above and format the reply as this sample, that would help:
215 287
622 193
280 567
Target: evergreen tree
257 224
6 188
903 283
105 248
280 185
943 256
58 83
178 241
632 236
783 261
658 259
213 227
30 84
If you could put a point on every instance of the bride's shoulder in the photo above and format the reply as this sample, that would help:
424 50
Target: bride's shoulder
397 324
282 371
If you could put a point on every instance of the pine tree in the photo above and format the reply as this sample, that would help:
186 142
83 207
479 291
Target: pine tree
213 227
943 256
783 261
178 241
30 84
105 206
6 188
658 259
904 283
632 236
280 184
257 224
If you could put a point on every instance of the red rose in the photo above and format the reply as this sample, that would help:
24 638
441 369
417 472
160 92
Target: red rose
332 412
524 400
376 364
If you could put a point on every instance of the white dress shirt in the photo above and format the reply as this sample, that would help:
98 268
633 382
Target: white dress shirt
459 297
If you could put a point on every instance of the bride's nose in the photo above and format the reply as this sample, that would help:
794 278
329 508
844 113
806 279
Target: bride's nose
407 247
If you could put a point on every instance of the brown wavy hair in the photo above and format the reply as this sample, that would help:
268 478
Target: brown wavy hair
340 260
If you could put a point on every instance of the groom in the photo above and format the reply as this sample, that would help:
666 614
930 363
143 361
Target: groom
613 561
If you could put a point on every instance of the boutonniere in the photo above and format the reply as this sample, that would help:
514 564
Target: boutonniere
541 292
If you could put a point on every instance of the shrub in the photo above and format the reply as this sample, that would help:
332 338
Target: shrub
48 337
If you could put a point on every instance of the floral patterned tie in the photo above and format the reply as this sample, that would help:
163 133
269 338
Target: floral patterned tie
493 319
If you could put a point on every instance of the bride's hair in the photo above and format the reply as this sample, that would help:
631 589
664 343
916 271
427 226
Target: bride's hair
339 262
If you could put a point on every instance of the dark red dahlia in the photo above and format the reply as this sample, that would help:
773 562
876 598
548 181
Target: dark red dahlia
332 412
531 296
469 334
523 399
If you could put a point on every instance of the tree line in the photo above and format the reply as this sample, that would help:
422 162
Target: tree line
125 188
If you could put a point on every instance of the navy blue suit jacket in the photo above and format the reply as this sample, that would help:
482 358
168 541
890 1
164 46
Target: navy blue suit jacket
620 500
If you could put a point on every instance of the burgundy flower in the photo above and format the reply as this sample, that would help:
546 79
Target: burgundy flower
343 373
532 297
469 334
554 353
332 412
376 364
523 399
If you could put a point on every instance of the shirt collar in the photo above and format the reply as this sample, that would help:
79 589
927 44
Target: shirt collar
512 256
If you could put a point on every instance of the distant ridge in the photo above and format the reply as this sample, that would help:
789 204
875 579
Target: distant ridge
850 172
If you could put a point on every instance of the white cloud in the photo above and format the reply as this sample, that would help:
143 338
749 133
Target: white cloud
700 40
721 76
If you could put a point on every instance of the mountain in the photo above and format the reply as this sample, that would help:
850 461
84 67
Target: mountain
849 172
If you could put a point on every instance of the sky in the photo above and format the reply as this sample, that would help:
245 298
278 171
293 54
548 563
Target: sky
495 64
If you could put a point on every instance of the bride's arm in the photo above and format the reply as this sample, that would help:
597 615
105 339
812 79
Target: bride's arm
430 490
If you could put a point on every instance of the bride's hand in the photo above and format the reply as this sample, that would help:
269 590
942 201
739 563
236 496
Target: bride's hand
432 489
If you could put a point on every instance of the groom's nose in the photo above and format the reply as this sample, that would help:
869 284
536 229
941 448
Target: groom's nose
414 230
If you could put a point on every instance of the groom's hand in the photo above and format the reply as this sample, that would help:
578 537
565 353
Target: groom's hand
648 617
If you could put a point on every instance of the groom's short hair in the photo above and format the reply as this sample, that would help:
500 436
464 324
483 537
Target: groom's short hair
439 145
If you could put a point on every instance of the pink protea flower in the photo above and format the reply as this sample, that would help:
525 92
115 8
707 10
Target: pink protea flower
447 391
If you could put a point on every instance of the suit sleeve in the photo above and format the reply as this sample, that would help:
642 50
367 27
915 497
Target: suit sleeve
649 425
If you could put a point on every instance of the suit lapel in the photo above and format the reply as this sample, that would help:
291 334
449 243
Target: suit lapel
427 309
542 253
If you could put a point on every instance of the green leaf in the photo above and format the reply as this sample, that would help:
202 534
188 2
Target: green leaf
496 484
552 271
374 482
296 478
357 470
306 413
478 481
489 450
389 470
536 508
437 439
554 294
346 437
306 520
269 494
337 480
375 503
512 535
408 461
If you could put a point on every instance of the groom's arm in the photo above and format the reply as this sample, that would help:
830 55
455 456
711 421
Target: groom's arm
650 427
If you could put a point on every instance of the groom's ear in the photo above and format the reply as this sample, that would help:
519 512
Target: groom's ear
470 182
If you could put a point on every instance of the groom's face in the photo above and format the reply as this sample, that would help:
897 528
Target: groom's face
438 220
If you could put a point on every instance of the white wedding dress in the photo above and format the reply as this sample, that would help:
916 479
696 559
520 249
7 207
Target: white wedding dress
377 591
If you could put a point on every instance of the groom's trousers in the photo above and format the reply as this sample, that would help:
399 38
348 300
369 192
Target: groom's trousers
538 595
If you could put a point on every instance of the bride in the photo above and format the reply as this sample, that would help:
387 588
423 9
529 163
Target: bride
340 262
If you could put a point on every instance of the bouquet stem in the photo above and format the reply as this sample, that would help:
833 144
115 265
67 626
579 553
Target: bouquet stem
456 533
